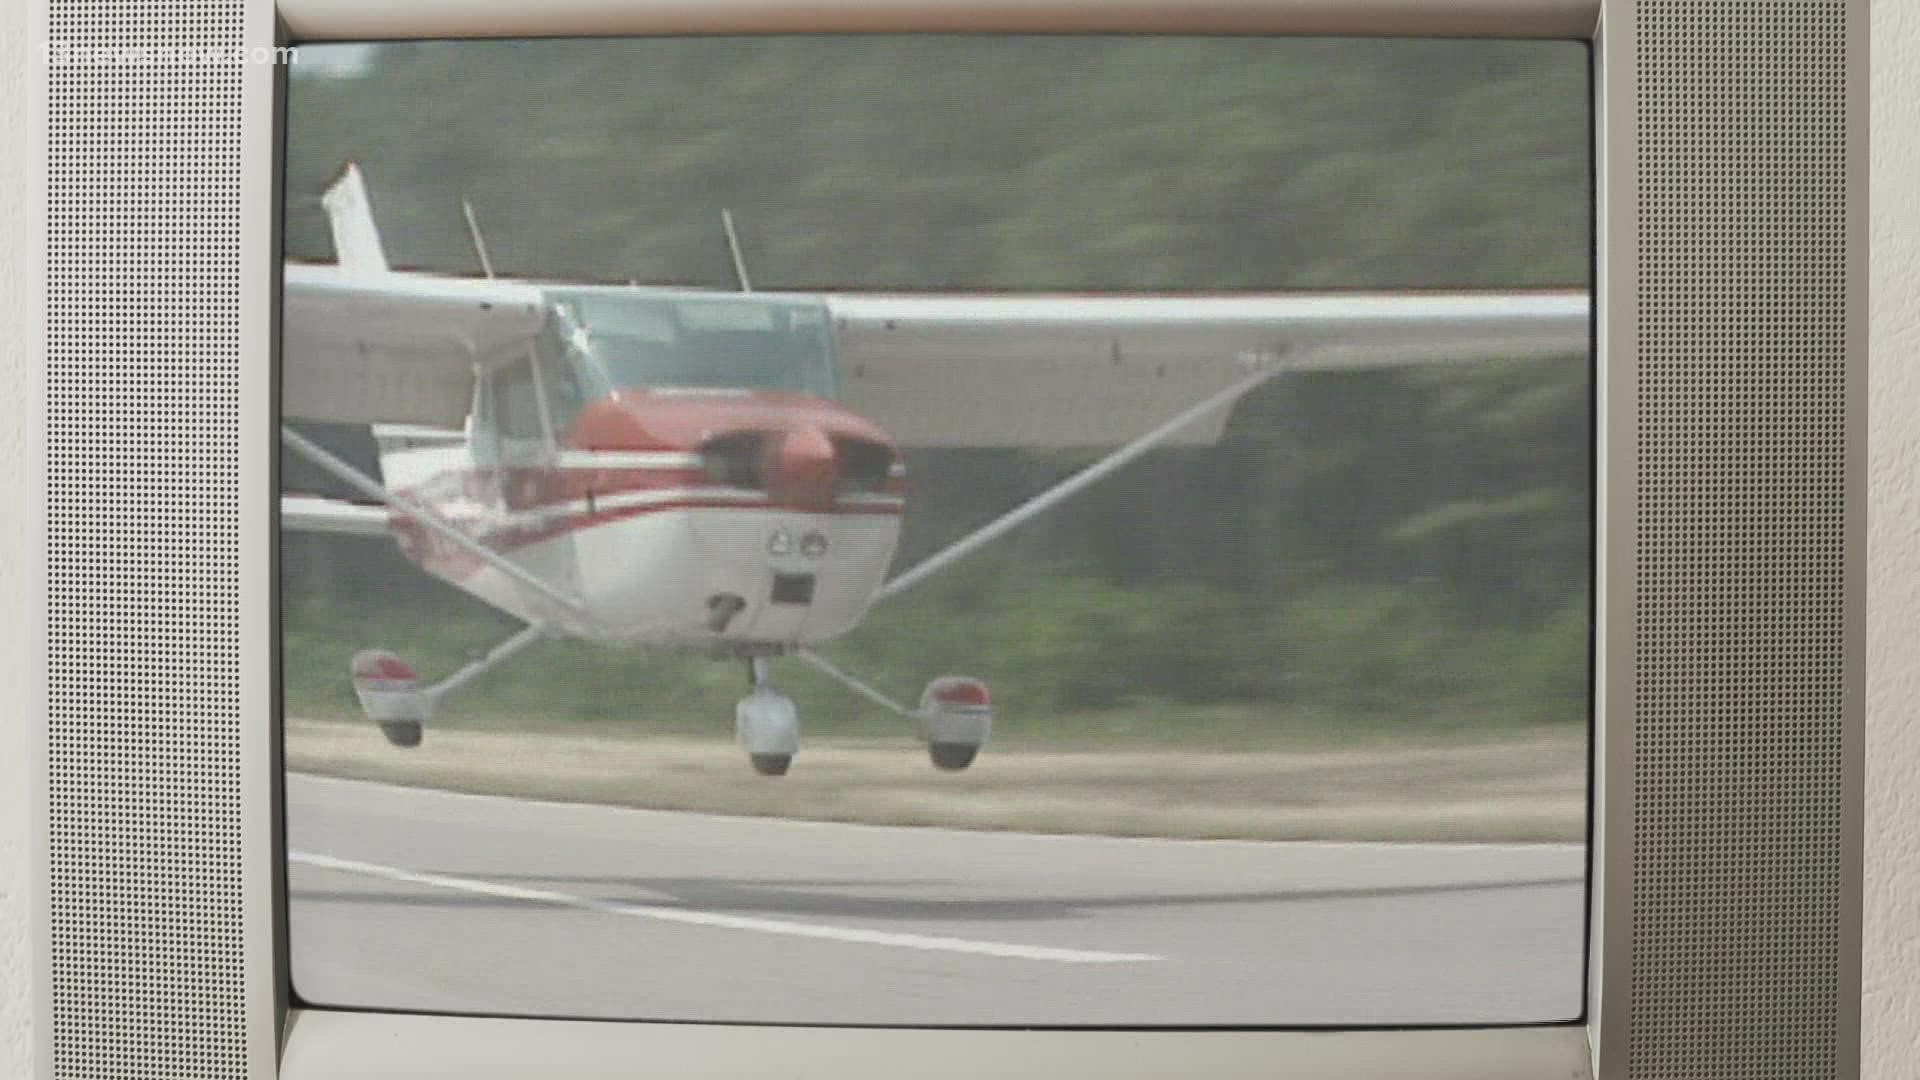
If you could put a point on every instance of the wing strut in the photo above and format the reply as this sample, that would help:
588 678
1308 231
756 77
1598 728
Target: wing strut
1071 486
366 486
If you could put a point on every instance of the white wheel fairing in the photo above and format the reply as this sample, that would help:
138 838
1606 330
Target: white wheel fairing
767 724
956 711
387 688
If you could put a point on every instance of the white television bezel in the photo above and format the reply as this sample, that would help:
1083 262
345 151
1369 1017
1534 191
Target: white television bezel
309 1044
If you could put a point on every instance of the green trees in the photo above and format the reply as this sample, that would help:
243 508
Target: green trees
1199 163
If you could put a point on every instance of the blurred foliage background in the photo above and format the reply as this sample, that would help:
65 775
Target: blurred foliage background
1363 552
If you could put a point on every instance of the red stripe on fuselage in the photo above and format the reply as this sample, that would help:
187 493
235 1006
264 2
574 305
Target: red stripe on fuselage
440 556
512 537
534 488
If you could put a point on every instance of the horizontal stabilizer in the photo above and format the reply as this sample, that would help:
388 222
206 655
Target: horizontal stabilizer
310 513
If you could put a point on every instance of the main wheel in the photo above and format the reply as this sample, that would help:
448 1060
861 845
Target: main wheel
771 764
952 757
405 734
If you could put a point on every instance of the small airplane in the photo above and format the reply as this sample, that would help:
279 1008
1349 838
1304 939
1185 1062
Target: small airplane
721 471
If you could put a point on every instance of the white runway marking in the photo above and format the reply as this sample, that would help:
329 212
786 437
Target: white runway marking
725 922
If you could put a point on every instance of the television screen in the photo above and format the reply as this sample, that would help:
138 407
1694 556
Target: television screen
939 530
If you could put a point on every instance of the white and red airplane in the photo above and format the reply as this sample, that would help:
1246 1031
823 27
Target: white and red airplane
721 471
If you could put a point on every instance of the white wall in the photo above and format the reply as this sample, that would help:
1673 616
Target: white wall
21 76
1892 1012
1891 1003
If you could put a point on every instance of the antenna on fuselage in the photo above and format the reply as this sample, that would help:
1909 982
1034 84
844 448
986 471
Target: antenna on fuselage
479 242
733 247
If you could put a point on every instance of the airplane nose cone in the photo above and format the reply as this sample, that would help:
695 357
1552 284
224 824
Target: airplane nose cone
804 472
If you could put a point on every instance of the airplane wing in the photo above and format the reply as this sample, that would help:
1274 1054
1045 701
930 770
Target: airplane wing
952 370
311 513
363 344
359 347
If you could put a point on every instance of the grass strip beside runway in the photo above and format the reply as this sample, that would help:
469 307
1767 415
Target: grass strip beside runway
1528 786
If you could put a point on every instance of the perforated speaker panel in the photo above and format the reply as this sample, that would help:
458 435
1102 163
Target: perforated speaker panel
148 951
1743 719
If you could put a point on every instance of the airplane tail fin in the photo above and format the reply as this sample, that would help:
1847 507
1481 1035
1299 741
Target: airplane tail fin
356 239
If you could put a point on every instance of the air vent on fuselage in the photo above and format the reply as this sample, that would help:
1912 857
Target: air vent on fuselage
737 460
865 466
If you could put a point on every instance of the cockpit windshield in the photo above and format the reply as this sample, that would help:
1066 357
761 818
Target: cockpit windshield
637 339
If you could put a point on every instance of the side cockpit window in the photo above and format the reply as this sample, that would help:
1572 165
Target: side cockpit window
567 375
516 402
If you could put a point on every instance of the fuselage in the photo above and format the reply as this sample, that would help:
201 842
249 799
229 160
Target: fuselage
740 519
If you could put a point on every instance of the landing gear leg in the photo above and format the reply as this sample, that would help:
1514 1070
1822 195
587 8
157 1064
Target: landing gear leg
392 697
767 723
954 719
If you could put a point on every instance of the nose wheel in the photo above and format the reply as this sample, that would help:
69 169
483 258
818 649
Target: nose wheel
771 764
767 724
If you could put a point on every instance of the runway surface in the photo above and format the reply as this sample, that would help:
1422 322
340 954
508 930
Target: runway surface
406 898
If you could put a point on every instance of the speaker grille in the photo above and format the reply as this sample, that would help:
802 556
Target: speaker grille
1740 602
143 261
